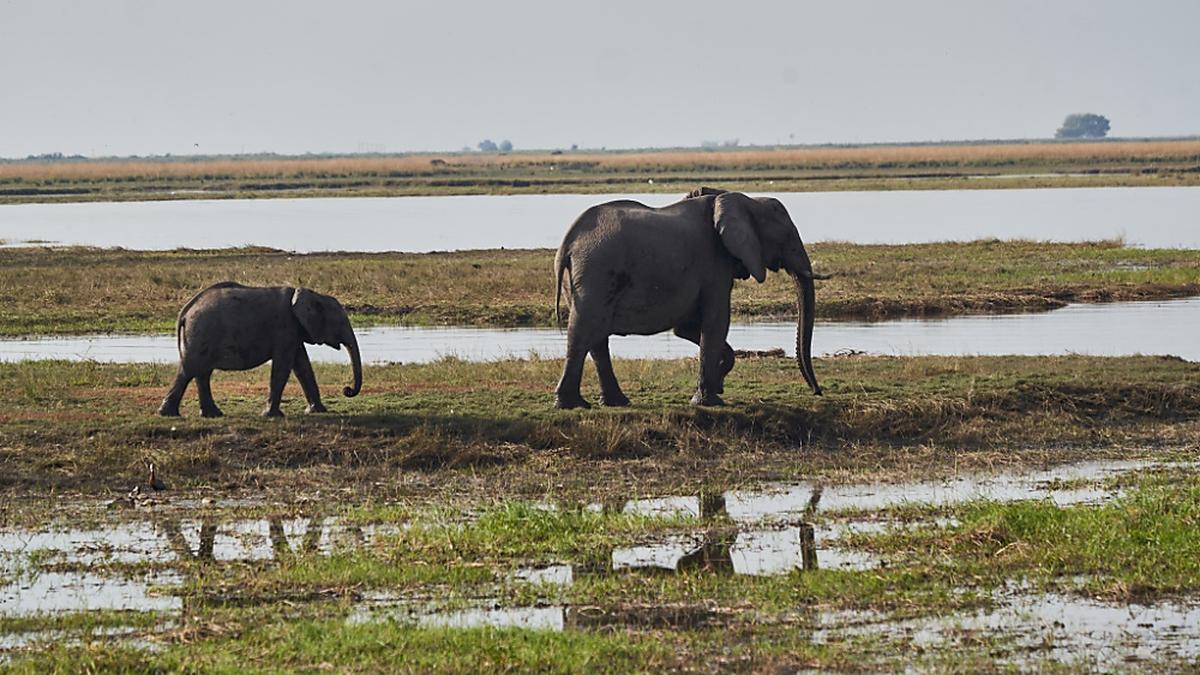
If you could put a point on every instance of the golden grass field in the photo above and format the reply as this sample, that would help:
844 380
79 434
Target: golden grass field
819 157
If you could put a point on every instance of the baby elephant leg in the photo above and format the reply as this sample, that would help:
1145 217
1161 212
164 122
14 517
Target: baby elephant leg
281 369
308 381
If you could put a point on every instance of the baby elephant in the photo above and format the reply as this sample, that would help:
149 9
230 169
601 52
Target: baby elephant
229 326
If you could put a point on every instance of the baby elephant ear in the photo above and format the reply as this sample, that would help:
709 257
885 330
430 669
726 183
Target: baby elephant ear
735 224
307 308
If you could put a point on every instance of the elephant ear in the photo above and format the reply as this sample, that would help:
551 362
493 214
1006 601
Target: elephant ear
310 312
735 224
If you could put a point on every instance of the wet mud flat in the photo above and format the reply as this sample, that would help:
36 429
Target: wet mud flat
831 572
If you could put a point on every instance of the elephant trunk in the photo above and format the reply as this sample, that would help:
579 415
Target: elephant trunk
356 363
802 276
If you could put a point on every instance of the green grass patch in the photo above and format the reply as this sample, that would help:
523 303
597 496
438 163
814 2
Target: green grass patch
307 645
1146 543
92 290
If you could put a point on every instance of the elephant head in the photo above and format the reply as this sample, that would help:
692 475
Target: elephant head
324 321
760 235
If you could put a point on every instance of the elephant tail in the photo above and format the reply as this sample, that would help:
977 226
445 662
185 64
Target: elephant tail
179 336
561 262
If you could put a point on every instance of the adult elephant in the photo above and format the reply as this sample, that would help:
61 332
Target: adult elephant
633 269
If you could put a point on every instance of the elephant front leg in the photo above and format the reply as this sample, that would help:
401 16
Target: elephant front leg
281 368
691 333
713 332
308 381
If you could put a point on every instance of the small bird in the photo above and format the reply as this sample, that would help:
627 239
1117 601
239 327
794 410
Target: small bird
155 481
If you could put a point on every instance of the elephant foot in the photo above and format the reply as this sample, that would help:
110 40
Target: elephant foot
168 410
272 412
211 412
619 400
317 408
706 398
568 402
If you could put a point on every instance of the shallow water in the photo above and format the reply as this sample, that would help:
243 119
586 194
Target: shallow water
47 592
1067 628
788 501
1112 329
1152 217
767 538
171 541
769 535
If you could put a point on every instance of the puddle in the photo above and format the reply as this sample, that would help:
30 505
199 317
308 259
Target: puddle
772 521
553 618
780 551
664 507
754 552
537 618
49 592
174 541
128 636
783 502
775 530
667 553
1062 627
25 588
560 575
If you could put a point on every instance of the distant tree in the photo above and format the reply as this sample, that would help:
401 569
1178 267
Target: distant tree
1083 125
506 145
574 146
487 145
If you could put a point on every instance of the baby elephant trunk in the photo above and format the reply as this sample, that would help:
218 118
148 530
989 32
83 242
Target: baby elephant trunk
356 363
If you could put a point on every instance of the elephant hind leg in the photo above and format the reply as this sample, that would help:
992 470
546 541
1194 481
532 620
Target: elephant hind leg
208 407
170 404
567 395
610 391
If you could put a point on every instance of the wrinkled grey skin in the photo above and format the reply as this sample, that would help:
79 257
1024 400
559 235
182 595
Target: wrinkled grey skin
228 326
632 269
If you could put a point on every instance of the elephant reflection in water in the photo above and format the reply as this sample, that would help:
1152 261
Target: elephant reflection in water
716 552
348 537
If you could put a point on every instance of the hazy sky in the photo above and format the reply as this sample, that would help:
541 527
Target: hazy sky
101 77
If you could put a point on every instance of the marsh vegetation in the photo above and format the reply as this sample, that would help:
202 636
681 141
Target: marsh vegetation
873 167
943 513
82 290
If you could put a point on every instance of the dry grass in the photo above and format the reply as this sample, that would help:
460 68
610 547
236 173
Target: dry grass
803 158
491 427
